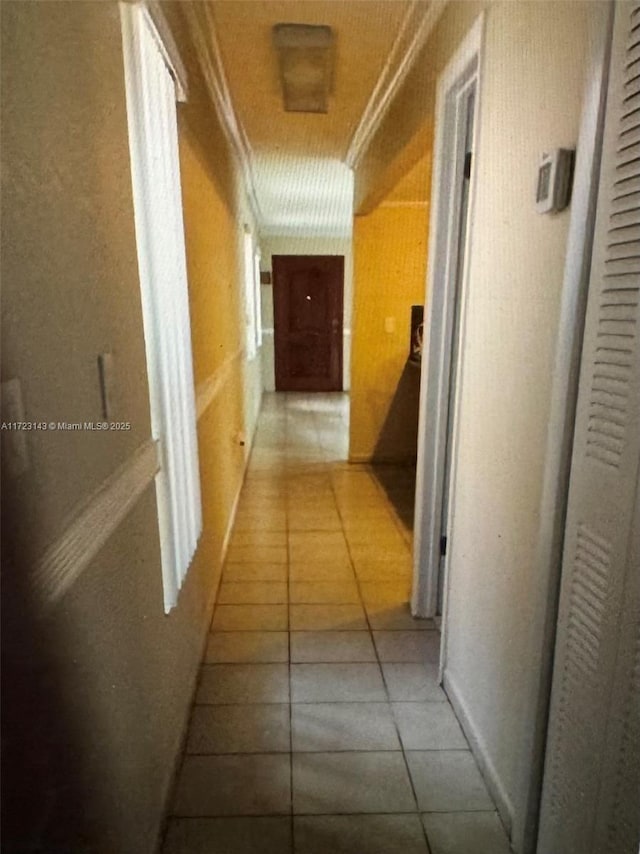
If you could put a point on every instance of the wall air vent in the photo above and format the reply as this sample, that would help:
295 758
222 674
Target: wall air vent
305 55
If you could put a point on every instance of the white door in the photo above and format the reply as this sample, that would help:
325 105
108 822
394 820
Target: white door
457 98
465 114
591 787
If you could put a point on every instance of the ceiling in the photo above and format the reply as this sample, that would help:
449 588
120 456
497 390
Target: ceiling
303 196
301 182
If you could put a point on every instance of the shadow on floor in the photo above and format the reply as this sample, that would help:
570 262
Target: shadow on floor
399 484
394 459
398 439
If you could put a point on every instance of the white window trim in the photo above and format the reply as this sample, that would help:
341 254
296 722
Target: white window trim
252 308
169 49
258 298
163 284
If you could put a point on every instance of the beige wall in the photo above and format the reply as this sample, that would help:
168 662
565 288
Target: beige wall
97 690
531 92
289 245
390 255
536 57
406 131
533 75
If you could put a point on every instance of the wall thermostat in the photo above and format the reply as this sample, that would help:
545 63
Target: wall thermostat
554 180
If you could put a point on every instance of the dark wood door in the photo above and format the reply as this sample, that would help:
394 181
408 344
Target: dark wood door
307 304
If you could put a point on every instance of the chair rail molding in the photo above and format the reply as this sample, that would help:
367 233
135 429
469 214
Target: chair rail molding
209 389
92 522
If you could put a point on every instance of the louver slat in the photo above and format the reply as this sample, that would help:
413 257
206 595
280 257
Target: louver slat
591 786
622 826
618 314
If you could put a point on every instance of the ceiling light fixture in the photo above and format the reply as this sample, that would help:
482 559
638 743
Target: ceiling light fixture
305 54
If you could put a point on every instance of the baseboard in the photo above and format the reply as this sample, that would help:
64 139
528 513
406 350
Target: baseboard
372 459
409 461
479 750
359 458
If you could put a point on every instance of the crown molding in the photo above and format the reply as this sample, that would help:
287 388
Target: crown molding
416 27
202 27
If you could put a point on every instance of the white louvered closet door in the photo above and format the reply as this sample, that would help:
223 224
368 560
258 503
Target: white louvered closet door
591 789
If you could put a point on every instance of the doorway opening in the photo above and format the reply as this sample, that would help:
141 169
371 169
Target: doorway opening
452 191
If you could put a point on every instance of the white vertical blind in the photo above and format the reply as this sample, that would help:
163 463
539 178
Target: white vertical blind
591 789
250 294
258 299
153 140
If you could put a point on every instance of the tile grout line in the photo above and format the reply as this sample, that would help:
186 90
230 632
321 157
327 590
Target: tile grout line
327 752
284 815
332 702
386 687
185 738
288 582
299 468
315 631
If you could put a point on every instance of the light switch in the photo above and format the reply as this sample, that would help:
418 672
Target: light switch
15 451
389 325
105 369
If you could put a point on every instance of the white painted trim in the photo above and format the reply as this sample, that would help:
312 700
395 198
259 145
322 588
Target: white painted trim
209 55
399 204
168 48
415 28
210 388
480 753
459 380
561 425
435 378
92 522
155 173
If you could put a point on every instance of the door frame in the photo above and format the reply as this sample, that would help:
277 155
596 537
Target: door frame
562 406
562 418
444 295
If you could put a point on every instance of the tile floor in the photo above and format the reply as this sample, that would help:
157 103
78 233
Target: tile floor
318 725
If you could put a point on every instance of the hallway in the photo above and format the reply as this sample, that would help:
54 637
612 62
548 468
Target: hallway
418 221
318 723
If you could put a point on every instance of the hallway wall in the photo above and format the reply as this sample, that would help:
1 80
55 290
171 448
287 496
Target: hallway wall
533 80
98 686
406 130
535 60
292 245
390 258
